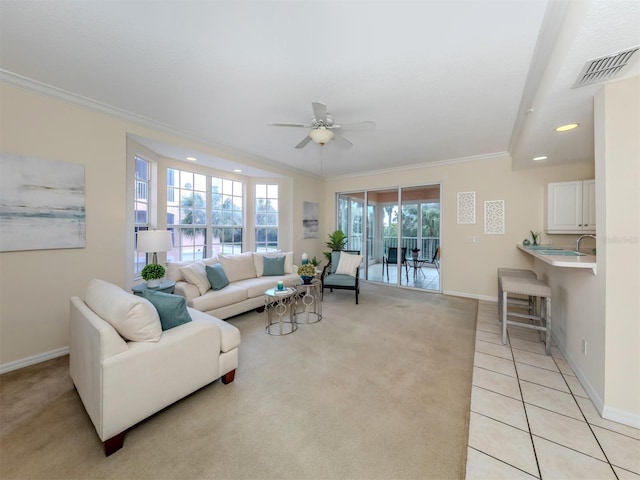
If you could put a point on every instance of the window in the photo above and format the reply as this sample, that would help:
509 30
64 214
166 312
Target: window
186 206
141 208
266 222
226 215
203 228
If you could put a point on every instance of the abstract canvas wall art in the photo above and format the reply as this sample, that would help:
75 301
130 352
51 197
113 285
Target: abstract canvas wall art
310 220
42 204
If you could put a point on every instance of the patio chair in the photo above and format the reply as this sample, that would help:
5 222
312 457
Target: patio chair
392 258
436 259
331 279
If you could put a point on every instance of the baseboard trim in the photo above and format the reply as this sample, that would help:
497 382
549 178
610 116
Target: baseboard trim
606 412
620 416
41 357
486 298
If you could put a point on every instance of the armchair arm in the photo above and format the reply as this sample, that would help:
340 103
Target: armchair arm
325 270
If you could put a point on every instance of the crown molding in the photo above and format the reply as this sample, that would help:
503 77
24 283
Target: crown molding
225 152
438 163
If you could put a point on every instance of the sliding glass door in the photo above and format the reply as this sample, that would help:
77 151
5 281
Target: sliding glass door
402 233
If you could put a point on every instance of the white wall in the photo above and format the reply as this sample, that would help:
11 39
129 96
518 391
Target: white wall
35 286
469 269
617 135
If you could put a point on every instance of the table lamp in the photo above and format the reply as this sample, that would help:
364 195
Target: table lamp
154 241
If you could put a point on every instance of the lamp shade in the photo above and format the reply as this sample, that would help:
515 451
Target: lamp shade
321 135
154 241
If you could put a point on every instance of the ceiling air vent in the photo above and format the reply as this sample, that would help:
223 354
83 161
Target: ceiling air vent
604 68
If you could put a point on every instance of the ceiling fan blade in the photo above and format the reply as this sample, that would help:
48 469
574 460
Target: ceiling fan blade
319 111
357 126
304 142
289 125
343 142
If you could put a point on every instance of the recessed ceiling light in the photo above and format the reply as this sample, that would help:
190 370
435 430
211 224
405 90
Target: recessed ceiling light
541 157
191 159
237 170
569 126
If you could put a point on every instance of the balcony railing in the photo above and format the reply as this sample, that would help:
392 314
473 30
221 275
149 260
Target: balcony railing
427 245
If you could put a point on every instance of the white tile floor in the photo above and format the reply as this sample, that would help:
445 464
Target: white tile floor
531 418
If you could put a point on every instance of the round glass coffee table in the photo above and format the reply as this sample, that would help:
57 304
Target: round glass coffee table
309 305
279 310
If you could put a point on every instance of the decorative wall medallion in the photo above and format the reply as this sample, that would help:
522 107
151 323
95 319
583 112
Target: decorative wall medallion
466 207
494 217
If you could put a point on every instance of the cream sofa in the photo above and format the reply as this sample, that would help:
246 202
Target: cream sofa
126 368
247 282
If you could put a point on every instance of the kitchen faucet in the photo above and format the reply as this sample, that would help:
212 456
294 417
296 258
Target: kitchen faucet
580 240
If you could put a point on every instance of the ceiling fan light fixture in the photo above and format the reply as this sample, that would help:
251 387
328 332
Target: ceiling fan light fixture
321 135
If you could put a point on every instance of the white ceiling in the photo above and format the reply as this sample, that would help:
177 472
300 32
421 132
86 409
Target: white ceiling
442 80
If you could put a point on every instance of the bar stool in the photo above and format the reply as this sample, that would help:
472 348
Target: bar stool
518 300
532 288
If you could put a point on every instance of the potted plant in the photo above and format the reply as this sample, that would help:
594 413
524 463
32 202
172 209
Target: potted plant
415 252
152 274
337 241
535 237
307 272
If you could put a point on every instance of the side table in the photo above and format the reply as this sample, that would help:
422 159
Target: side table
167 286
309 304
279 309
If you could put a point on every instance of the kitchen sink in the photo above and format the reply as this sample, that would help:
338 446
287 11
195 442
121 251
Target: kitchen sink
567 253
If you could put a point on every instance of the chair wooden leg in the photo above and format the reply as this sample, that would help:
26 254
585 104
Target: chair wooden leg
113 444
229 376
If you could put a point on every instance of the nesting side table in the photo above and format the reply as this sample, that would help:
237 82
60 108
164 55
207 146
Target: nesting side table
309 305
279 310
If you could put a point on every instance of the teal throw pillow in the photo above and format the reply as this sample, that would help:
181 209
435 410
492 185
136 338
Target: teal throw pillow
273 266
217 278
335 260
172 309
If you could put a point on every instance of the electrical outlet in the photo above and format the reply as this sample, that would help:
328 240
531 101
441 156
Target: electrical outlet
584 346
473 240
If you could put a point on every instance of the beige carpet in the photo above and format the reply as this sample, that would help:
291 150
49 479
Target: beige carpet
380 390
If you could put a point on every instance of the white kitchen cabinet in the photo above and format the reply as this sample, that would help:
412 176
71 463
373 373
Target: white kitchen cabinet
571 207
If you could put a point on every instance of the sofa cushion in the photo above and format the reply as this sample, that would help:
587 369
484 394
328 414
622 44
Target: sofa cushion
258 260
133 317
217 277
348 264
172 309
196 274
173 268
273 266
238 267
338 280
257 286
229 334
214 299
288 262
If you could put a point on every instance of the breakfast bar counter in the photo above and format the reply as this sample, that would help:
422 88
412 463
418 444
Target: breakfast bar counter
559 257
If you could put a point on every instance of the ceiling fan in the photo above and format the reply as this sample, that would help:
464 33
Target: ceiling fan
324 129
